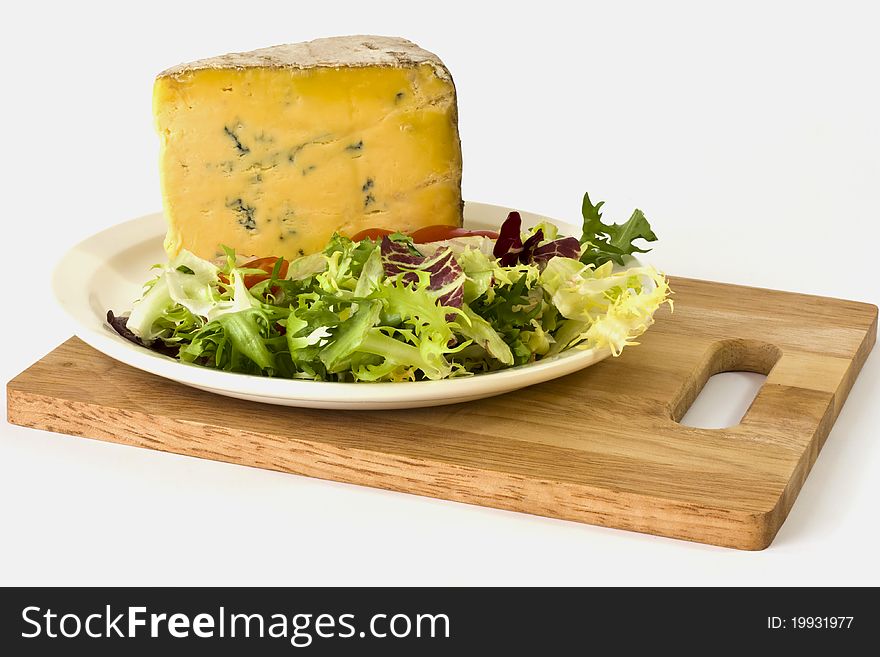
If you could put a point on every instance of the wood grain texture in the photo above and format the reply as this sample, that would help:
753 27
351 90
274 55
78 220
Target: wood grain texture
601 446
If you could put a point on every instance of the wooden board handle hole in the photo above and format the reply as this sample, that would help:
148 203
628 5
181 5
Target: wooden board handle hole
733 355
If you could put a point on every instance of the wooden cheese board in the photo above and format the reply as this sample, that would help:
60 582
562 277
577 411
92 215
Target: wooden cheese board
601 446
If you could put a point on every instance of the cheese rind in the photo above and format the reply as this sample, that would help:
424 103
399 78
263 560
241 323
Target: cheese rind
334 52
271 152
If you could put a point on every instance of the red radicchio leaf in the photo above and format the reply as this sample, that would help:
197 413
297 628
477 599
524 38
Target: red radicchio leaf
510 250
530 245
509 244
120 325
567 247
397 255
442 267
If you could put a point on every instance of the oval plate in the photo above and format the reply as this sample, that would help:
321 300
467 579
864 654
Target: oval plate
107 271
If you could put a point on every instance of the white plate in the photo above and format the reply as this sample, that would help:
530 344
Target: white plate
107 272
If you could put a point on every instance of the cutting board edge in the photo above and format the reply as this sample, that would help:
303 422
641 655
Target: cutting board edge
744 529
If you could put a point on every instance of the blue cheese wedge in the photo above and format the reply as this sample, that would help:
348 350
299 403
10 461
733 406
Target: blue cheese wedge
272 151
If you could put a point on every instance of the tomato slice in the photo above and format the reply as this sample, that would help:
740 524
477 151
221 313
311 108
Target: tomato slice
443 232
268 266
371 234
424 235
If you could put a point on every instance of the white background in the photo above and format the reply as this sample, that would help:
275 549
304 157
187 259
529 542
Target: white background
747 133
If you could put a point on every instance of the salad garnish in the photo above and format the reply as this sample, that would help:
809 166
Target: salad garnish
394 307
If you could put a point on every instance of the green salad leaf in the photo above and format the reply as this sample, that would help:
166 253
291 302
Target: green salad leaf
604 242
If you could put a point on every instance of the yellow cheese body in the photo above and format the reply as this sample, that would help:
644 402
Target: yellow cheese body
271 161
